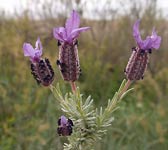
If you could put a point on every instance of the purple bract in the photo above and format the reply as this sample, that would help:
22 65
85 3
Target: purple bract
33 53
71 30
150 42
63 120
64 126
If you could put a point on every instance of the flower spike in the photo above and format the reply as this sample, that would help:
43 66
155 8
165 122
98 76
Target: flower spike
68 47
40 68
137 63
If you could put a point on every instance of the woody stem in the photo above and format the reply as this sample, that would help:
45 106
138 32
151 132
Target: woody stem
125 87
73 86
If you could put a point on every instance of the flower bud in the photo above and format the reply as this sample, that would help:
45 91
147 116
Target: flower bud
64 126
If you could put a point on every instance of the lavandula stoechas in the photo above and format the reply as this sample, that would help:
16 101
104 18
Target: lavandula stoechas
139 58
64 126
68 47
40 68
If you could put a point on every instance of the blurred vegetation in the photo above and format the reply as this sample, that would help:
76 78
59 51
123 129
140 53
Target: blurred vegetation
29 113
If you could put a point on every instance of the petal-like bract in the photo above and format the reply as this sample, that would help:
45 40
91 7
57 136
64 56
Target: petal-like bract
64 126
75 33
156 40
33 53
71 30
72 23
63 120
28 50
136 33
150 42
59 33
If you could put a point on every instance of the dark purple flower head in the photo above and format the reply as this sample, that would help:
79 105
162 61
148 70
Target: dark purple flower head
64 126
33 53
150 42
43 72
71 30
41 68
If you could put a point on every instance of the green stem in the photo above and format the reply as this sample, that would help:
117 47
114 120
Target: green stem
125 88
73 86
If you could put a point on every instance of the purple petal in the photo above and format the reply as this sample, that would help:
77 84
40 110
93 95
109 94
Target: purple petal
75 33
38 48
37 53
152 41
28 50
156 40
34 54
146 44
136 33
63 120
38 44
73 22
59 33
71 30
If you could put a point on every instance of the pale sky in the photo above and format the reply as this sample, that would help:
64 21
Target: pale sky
19 5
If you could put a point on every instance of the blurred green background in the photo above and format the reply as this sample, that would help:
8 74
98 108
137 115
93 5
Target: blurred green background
29 113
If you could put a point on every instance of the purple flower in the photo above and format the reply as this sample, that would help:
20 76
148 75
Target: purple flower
71 30
63 121
33 53
41 69
64 126
150 42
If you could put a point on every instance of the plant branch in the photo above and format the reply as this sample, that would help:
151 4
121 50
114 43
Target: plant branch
73 86
126 86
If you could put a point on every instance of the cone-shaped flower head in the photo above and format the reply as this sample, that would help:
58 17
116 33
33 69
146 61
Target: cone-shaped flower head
68 51
137 63
150 42
40 68
34 53
64 126
71 30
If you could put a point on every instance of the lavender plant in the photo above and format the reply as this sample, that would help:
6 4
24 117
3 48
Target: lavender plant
85 123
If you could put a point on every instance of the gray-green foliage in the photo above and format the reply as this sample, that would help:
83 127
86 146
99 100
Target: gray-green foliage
90 123
25 108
